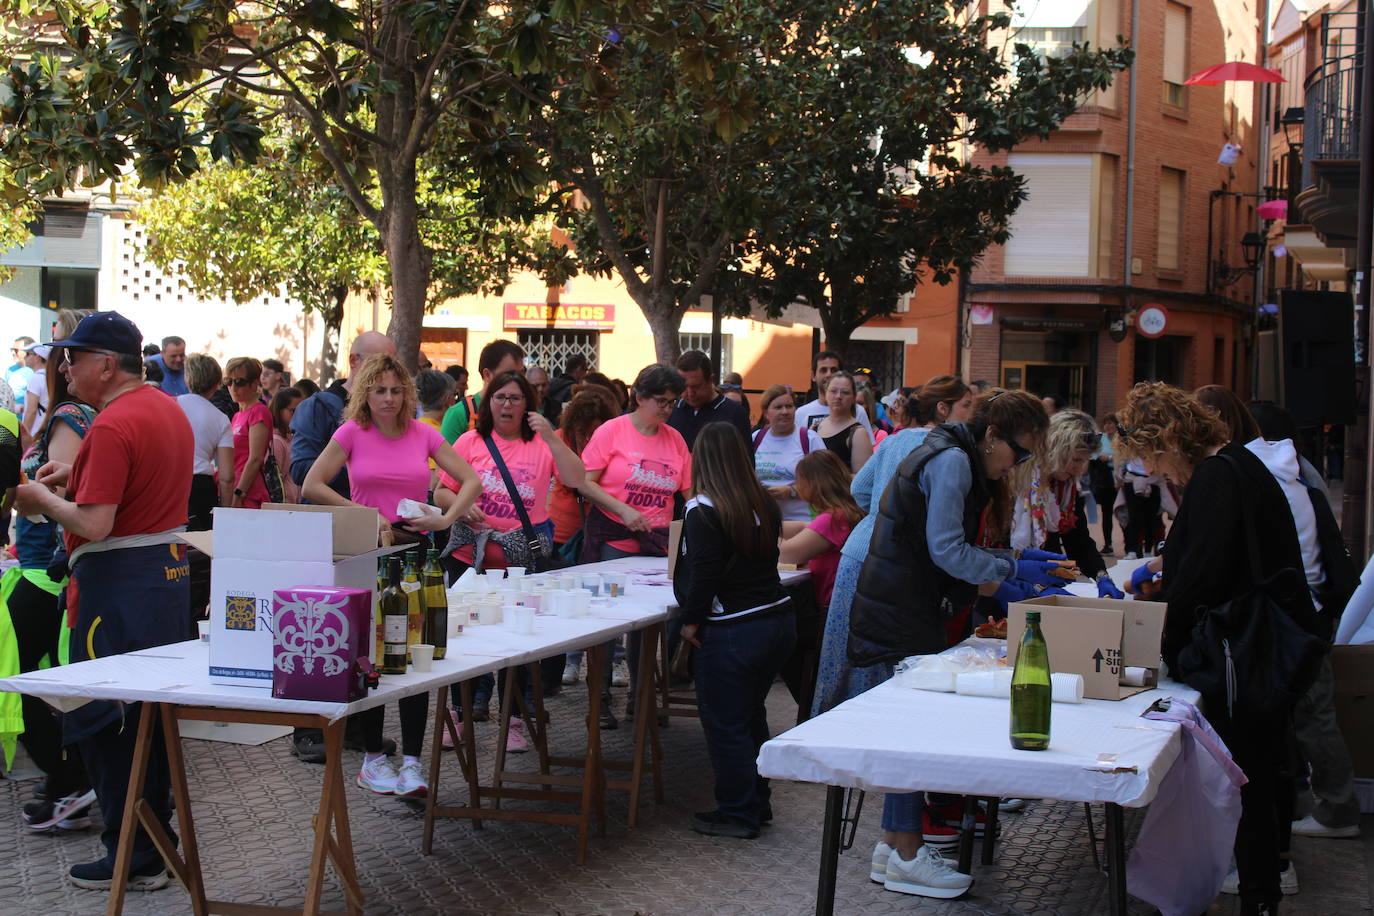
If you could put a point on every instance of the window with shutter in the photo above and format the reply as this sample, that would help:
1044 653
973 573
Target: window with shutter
1051 232
1170 219
1176 29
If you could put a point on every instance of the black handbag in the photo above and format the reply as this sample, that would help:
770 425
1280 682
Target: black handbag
1249 652
541 557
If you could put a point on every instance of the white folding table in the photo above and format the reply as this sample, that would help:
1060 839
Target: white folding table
173 680
895 739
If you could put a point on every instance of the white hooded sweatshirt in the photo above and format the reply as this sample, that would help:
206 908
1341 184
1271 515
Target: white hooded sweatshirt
1281 458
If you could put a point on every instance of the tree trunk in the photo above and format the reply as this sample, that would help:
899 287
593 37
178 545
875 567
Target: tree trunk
665 318
410 264
332 319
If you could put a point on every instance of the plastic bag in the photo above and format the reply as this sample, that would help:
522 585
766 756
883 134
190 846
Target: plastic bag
938 672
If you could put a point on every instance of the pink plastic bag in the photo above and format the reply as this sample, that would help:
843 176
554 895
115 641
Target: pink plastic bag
1184 848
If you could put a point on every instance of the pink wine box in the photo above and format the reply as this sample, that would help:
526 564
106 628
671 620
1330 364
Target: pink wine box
320 641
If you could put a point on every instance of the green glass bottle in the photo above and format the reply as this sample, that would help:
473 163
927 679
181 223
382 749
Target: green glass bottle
436 605
1030 690
394 618
379 652
415 602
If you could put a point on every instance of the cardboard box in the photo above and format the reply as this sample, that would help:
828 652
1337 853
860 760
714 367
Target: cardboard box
1094 637
254 552
1354 670
674 542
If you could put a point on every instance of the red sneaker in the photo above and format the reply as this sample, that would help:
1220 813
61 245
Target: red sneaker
935 831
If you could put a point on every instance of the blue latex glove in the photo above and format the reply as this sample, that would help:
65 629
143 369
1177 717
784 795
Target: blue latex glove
1031 553
1012 590
1106 588
1038 572
1046 592
1140 576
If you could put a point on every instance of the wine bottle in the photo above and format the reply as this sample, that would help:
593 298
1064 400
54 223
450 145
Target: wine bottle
394 621
436 606
379 651
415 603
1030 690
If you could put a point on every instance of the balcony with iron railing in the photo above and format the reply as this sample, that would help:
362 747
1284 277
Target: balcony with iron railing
1331 133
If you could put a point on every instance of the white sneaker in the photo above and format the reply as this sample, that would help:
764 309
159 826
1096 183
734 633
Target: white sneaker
1010 804
570 672
379 776
878 870
927 875
410 782
620 674
516 743
1310 826
1288 879
1131 555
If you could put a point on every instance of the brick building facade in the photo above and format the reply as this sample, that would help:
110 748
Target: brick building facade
1057 309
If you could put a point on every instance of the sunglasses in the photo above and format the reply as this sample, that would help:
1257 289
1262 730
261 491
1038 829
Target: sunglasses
1022 455
240 382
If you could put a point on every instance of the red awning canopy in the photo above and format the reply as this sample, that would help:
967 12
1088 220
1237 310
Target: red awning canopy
1234 70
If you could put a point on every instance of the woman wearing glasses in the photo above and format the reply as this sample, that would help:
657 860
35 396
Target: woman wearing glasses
531 452
252 432
921 558
636 464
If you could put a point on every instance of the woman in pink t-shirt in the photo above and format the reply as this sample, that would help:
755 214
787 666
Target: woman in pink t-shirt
635 463
387 453
252 431
531 450
823 481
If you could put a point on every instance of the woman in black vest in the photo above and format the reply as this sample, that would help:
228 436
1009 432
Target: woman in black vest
922 563
735 611
1226 490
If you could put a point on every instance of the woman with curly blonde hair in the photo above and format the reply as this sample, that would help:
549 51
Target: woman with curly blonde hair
1049 513
1228 496
387 453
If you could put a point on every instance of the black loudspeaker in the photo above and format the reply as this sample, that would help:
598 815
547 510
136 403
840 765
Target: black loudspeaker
1317 361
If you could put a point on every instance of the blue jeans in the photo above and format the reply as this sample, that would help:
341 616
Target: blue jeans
735 667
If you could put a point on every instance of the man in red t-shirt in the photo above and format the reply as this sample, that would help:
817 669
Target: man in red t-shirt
129 488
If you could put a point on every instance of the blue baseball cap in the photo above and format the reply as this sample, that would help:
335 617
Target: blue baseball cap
105 331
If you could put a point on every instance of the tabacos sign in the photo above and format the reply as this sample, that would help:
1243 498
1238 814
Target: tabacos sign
558 315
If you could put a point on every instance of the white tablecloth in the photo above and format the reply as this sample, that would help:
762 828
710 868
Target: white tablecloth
895 739
179 673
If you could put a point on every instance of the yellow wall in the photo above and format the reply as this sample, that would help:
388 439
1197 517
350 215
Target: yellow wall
763 353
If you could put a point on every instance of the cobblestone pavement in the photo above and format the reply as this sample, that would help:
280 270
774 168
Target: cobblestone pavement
253 807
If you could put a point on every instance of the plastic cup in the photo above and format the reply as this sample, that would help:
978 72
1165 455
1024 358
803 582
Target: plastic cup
592 582
569 581
456 621
515 572
494 575
203 629
523 620
579 603
613 584
509 615
421 656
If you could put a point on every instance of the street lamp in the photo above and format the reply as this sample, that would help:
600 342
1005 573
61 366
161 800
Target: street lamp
1294 117
1252 249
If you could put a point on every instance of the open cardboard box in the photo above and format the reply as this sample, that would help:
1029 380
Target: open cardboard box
253 552
1094 637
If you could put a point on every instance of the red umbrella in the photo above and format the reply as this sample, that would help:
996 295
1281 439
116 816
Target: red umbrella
1234 70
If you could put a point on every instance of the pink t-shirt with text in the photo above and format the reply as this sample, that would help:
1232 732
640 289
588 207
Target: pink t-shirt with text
835 528
531 468
641 471
383 471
